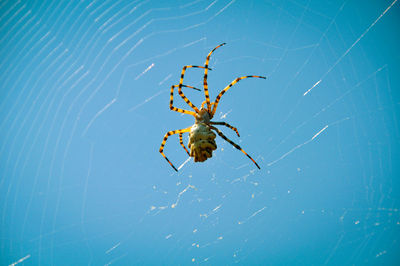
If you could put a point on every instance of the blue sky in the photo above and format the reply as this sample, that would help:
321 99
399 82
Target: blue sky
84 107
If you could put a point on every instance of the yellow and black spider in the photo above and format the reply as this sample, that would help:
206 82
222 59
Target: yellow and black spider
201 137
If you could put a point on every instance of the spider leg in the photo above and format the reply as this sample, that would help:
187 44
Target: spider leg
171 101
234 144
183 145
207 95
170 133
202 104
181 85
227 125
228 87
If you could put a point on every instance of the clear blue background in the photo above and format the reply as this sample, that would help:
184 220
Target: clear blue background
84 107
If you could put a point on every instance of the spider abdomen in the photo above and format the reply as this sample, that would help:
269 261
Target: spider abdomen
201 142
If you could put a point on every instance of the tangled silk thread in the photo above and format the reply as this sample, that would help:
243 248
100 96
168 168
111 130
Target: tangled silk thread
201 142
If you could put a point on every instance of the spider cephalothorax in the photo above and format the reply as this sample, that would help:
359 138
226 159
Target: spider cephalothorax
201 137
203 116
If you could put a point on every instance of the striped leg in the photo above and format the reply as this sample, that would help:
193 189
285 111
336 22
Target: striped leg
234 144
227 88
202 104
183 145
171 101
170 133
227 125
205 78
181 85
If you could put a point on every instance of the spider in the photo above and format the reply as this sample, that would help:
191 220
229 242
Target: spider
201 137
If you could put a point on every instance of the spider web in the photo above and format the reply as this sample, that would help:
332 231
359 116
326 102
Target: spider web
84 107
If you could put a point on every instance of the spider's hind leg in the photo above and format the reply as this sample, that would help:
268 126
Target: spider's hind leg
170 133
183 145
227 125
233 144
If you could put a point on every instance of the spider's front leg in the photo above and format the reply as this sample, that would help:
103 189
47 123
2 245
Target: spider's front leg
181 85
205 84
170 133
171 101
202 104
227 88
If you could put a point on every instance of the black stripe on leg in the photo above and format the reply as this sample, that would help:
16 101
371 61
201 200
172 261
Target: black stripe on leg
235 145
170 163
